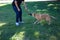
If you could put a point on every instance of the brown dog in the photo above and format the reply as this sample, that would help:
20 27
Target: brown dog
39 17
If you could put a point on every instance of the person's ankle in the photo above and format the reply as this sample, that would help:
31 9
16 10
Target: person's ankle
21 22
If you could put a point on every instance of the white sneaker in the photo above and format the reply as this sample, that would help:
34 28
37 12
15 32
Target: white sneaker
17 24
21 22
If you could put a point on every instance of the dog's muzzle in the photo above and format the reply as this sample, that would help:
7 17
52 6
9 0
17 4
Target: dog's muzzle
30 14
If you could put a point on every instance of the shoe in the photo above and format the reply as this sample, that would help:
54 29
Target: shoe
21 22
17 24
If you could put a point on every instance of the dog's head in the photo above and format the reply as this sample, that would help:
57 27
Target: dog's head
32 14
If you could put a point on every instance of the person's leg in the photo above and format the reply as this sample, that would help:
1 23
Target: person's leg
20 15
17 15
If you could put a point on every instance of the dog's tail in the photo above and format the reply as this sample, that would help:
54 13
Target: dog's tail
53 17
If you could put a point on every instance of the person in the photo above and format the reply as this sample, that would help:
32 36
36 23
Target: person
17 8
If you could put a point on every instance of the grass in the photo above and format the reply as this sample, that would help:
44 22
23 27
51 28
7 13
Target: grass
29 31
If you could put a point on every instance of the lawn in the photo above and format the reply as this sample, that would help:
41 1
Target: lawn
28 30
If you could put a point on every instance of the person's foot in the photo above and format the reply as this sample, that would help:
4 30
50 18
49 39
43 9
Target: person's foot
21 22
17 24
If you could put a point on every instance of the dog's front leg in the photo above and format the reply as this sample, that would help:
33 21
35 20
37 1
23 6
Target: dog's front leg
35 21
38 22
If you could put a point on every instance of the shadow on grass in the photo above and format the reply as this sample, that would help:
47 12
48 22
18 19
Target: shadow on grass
29 31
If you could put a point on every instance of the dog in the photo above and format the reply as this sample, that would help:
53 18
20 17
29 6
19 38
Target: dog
40 17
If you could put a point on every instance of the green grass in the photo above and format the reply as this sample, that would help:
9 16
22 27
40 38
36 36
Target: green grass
28 30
